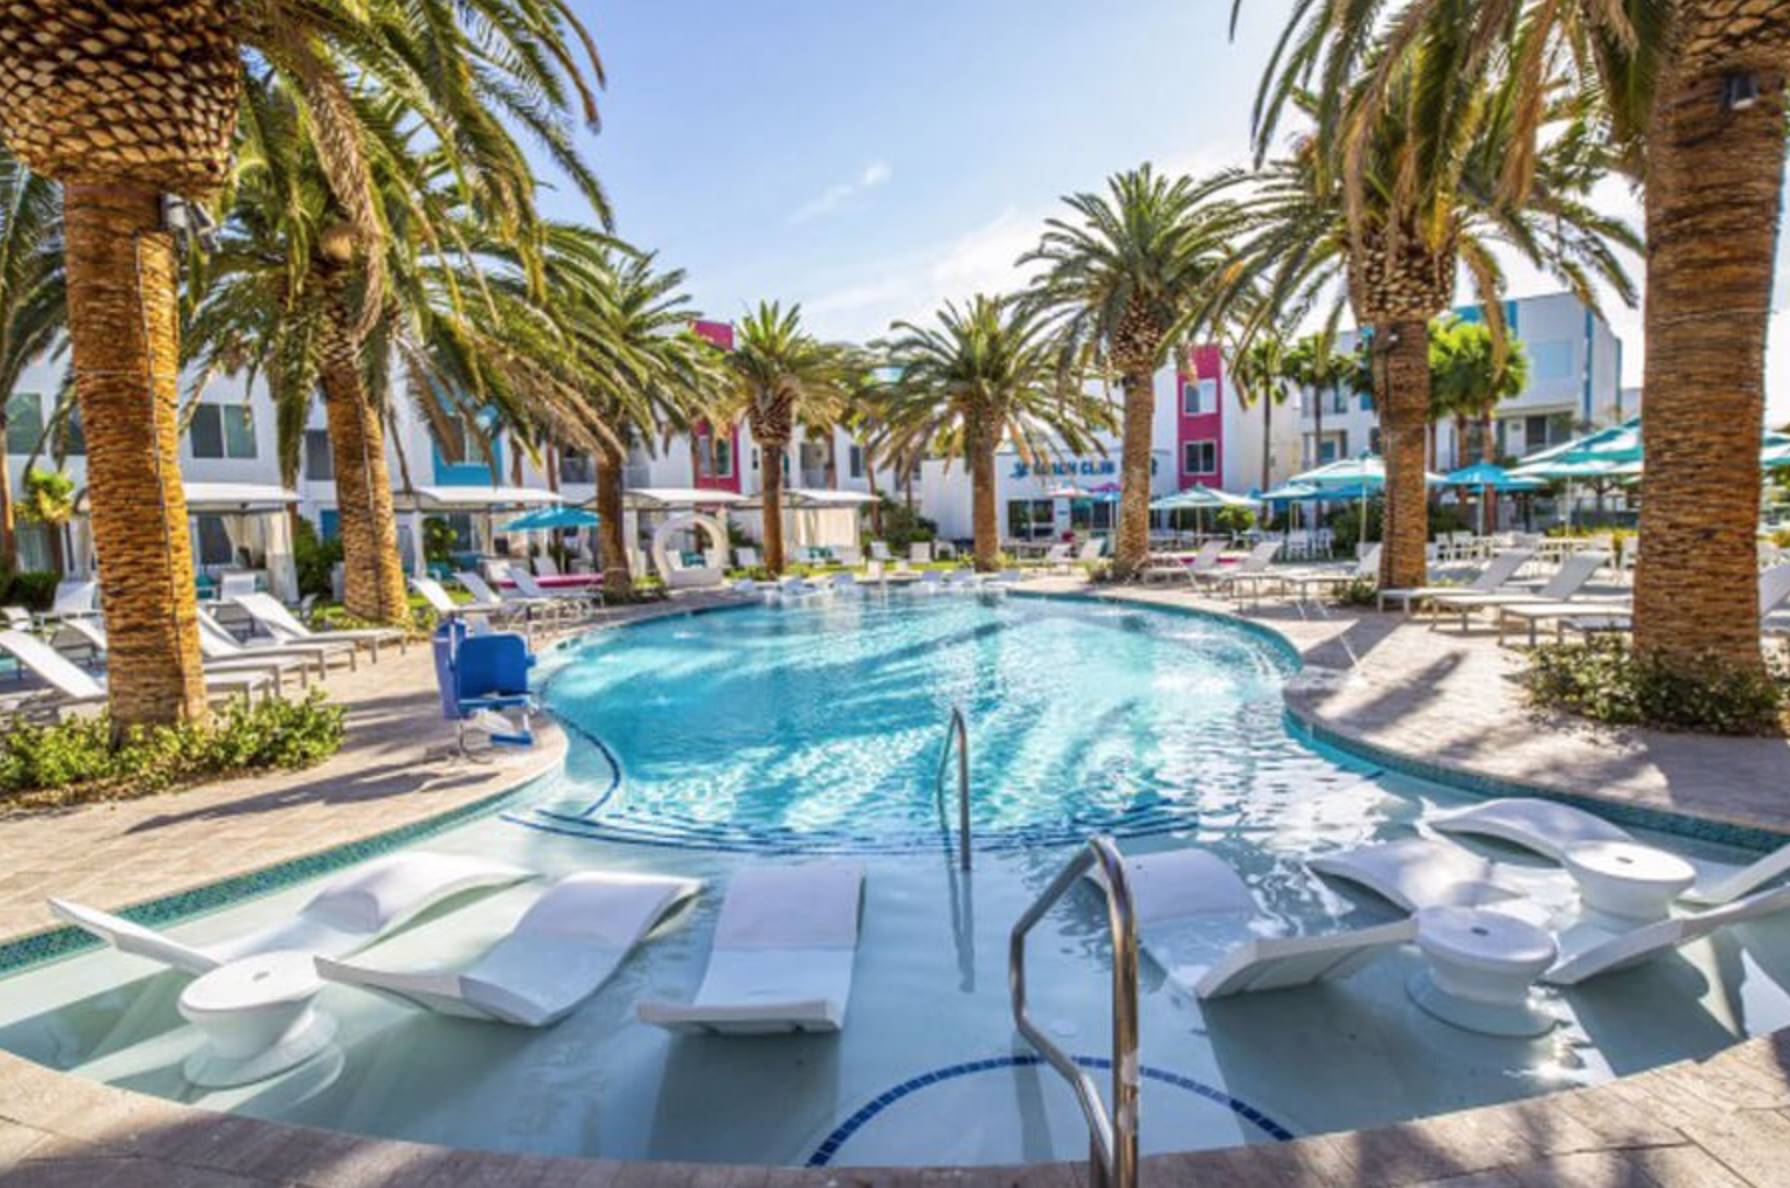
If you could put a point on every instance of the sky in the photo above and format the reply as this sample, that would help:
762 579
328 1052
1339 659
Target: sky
872 160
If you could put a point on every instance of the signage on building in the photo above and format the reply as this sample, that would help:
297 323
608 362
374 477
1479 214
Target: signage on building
1072 468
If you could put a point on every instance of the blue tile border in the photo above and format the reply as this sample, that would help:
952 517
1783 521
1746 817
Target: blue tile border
823 1154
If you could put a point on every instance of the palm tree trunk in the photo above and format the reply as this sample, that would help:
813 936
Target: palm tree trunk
1404 408
9 547
1713 190
1317 427
832 461
618 578
876 509
373 572
122 285
1134 473
1267 440
984 515
1488 453
772 498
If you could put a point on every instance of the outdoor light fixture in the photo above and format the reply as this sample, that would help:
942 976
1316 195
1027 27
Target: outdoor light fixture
1739 92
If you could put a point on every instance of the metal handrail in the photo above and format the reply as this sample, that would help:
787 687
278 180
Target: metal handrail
1112 1156
957 728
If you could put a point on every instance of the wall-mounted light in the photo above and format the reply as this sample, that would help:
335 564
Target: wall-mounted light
1740 92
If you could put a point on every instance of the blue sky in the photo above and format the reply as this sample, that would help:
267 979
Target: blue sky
871 160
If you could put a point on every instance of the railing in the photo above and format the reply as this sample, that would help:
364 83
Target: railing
956 728
1112 1157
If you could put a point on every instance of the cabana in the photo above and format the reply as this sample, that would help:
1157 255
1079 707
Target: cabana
681 512
814 518
237 529
482 503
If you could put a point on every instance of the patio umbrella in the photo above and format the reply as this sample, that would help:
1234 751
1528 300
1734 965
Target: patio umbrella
1570 468
1487 474
551 518
1200 497
1774 457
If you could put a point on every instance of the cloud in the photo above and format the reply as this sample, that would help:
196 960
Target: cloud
877 173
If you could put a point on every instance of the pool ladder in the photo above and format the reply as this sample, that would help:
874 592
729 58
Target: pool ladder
956 729
1112 1155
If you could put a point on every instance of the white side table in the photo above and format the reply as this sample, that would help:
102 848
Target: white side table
1626 880
258 1018
1481 966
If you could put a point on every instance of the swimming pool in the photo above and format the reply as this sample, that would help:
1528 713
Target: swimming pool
704 745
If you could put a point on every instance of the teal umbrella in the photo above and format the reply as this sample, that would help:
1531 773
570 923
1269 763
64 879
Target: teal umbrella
552 518
1200 497
1364 470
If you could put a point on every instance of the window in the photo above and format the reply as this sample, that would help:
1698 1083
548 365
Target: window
1367 402
223 431
24 422
1199 397
1546 429
1028 519
576 467
74 440
1199 457
714 455
320 460
854 461
1339 399
1373 439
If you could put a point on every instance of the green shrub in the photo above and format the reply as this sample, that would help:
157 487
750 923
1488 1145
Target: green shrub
1360 592
1102 572
1234 520
903 526
33 590
75 761
1603 679
314 558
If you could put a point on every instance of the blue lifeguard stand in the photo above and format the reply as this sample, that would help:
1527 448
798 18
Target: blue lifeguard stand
479 675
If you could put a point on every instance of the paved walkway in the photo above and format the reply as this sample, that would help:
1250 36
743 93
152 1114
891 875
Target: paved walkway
1723 1123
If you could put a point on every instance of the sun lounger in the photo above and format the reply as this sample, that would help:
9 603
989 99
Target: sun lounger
1774 591
1417 873
351 912
1589 951
77 685
1495 576
1303 583
1200 923
218 644
87 637
782 957
1245 572
1549 828
1167 567
280 623
1567 581
1534 614
562 951
484 598
75 598
582 600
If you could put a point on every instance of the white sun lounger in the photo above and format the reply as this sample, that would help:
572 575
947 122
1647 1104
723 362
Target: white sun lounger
580 599
78 686
782 957
1418 873
216 643
353 911
1567 581
1247 571
563 949
1588 952
1550 828
1198 921
90 635
1497 573
280 623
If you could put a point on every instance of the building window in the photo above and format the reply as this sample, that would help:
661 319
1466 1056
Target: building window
715 456
1199 457
1367 402
576 467
854 461
24 422
755 458
1029 519
320 460
1373 439
1339 399
1546 429
223 431
1199 397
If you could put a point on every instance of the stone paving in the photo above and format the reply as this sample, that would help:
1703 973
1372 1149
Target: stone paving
1720 1123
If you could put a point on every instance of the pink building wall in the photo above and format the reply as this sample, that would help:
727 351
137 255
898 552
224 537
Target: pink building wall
721 334
1202 362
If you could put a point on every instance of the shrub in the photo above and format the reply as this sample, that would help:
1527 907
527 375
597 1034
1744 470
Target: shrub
1603 679
1102 573
314 558
75 761
1346 522
1234 520
1360 592
33 590
902 526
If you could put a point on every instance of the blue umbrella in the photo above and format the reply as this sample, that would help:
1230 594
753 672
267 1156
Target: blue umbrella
549 519
1487 474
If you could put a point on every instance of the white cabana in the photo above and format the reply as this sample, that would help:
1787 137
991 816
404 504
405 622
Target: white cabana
813 518
487 502
235 528
678 498
676 517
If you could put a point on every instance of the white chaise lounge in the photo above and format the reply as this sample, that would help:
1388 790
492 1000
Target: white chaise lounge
284 626
1494 577
88 637
77 686
350 913
563 949
782 957
1588 951
1549 828
216 643
1567 581
1418 873
1200 923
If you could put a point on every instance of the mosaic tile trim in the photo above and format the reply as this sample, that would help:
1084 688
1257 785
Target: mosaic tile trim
829 1147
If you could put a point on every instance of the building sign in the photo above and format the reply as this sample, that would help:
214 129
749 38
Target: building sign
1072 468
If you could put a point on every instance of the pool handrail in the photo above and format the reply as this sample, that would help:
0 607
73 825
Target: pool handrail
959 729
1112 1155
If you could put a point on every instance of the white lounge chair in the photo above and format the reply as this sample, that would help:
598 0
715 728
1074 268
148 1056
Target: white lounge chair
350 913
484 598
879 551
1589 951
284 626
1774 591
1305 582
1200 923
583 600
78 686
546 566
1091 550
1246 571
218 644
1567 581
88 637
782 957
1495 576
747 558
1417 873
563 949
74 598
1167 568
1550 828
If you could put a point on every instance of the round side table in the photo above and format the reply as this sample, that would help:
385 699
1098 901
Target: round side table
258 1018
1626 880
1480 967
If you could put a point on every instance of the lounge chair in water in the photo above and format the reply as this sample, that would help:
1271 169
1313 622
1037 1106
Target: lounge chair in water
280 623
562 951
1550 828
1200 923
1418 873
782 957
351 912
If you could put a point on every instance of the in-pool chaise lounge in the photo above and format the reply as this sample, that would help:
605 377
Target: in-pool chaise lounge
1418 873
1550 828
563 949
353 911
280 623
1198 921
1588 951
782 956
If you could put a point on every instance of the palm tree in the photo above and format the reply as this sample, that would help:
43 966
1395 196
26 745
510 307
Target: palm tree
125 103
1474 373
1126 276
985 374
1315 365
1261 373
33 300
782 375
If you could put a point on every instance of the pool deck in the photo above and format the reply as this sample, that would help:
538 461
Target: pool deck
1378 680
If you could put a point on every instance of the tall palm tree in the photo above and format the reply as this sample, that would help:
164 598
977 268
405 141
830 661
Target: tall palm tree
1315 365
126 101
1475 373
984 375
1125 275
33 300
1261 375
782 375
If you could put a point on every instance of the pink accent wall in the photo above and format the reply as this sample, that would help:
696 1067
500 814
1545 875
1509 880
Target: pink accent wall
721 334
1202 362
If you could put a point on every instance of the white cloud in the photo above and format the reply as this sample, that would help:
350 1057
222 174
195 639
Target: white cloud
877 173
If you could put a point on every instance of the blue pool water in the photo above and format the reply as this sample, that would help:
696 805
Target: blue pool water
703 745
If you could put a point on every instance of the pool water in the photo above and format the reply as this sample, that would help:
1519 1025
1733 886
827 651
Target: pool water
704 744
